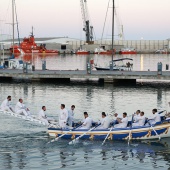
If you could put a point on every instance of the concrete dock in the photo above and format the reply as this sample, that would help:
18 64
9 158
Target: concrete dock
66 75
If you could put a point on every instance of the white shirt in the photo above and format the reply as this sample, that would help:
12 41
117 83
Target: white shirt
63 115
135 118
123 123
41 114
87 123
5 104
105 122
19 106
71 114
140 120
155 118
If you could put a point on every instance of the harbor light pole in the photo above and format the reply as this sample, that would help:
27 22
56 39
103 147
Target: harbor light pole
111 68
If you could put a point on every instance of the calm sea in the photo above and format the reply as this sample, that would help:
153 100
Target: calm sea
23 145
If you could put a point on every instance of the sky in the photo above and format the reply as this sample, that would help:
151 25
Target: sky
141 19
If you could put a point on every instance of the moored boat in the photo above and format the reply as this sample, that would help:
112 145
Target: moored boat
82 52
127 51
29 46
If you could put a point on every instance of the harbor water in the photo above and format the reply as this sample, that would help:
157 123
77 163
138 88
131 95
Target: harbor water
24 145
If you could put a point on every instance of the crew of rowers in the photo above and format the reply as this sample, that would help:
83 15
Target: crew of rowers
66 117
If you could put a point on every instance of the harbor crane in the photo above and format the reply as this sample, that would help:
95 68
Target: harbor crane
88 29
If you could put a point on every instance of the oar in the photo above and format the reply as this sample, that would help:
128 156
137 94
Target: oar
154 130
130 131
107 135
74 140
56 139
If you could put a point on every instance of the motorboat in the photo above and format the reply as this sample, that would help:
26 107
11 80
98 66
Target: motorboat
28 46
118 65
127 51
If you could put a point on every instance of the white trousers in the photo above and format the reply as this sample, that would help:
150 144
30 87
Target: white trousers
22 111
45 121
6 108
62 123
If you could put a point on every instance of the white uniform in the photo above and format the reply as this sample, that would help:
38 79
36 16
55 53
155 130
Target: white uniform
135 118
139 121
63 117
5 106
155 118
123 123
105 123
87 123
70 117
21 109
43 117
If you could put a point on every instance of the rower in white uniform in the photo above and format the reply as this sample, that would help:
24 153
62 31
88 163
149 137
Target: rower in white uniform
6 105
122 122
20 108
42 116
155 117
63 117
105 122
71 116
136 115
140 120
87 122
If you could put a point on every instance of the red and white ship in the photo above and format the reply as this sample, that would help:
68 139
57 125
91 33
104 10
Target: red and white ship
127 51
82 52
28 45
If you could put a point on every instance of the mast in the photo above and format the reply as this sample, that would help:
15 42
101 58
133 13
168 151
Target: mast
113 32
13 25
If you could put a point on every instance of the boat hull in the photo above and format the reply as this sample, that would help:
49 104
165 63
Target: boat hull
116 134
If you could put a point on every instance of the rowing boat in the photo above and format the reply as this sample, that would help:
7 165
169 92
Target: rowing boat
136 133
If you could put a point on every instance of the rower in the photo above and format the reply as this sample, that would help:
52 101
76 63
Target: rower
42 116
140 120
6 106
116 115
63 117
105 122
87 122
20 108
136 115
122 122
155 118
71 116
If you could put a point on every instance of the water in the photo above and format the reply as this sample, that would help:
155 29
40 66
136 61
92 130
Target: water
23 145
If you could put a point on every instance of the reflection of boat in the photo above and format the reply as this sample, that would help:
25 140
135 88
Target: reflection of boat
135 133
84 52
127 51
118 65
28 45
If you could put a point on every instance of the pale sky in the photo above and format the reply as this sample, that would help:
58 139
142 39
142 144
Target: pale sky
141 19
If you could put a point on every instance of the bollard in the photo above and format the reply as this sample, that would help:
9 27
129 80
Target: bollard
167 66
43 65
88 68
159 69
25 67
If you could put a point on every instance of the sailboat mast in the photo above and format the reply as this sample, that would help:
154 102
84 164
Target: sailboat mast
113 31
13 25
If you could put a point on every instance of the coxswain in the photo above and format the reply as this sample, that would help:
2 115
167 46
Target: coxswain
140 120
20 108
105 122
63 117
87 122
155 118
71 116
122 122
6 106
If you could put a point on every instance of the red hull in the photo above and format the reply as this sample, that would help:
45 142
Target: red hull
82 52
28 46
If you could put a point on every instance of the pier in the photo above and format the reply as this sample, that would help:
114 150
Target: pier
66 75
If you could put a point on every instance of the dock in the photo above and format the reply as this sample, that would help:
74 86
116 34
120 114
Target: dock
66 75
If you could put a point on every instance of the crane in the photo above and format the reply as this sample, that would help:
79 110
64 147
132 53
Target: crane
88 29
